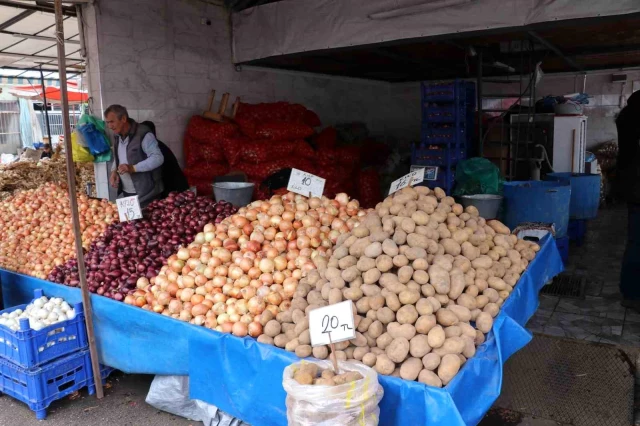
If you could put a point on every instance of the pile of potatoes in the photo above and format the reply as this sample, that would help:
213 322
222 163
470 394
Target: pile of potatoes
426 278
310 374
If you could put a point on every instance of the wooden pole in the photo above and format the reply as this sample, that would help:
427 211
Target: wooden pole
73 199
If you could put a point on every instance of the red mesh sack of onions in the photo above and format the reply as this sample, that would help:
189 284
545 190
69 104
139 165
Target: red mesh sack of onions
37 234
249 263
369 188
207 132
206 171
134 250
282 130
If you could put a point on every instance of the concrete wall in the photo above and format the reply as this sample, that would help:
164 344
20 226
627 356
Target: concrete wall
160 59
607 98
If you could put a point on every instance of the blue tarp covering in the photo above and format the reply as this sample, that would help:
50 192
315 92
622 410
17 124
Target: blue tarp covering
244 378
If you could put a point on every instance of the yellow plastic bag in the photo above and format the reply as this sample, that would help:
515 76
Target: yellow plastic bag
80 153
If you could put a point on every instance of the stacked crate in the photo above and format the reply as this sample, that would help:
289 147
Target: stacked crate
448 111
38 367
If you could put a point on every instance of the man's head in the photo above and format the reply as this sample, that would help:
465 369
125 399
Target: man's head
47 147
117 119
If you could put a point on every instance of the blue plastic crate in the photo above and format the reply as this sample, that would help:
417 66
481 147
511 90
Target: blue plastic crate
444 136
29 348
38 387
456 91
436 157
563 248
445 180
451 113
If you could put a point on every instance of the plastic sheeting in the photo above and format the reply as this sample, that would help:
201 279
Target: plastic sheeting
244 378
306 25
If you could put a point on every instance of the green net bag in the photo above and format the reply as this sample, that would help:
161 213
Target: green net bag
477 176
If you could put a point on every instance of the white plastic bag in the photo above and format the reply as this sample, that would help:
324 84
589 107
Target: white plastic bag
171 394
354 403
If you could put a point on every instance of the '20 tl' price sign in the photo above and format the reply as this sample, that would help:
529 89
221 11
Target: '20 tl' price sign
304 183
413 178
331 324
129 208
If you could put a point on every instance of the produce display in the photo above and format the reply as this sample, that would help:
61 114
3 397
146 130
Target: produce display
23 175
310 374
136 250
426 279
37 234
249 263
41 313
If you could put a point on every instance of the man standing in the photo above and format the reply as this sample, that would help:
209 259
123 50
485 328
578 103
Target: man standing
136 169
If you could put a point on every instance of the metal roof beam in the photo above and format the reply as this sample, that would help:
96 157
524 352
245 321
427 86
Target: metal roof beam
37 7
19 17
37 37
555 50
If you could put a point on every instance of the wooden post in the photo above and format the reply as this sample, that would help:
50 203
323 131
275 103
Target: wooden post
73 199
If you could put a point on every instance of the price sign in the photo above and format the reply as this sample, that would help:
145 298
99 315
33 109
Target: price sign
331 324
413 178
430 172
304 183
129 208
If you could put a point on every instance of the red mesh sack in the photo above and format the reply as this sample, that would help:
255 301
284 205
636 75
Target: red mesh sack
247 127
311 119
203 170
326 139
282 130
232 149
276 111
369 188
374 153
208 132
263 170
190 155
203 187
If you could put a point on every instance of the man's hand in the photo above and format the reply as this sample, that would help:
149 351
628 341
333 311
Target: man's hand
126 168
114 179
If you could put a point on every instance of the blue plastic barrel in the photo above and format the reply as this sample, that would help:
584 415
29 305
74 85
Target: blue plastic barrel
538 201
585 193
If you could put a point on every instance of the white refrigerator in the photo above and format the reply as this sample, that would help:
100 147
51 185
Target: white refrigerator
569 143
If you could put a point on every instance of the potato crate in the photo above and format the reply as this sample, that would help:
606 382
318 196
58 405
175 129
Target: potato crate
29 348
38 387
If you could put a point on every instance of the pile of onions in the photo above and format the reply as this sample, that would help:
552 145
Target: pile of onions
36 232
248 263
137 249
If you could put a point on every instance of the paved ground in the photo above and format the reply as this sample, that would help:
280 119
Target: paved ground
598 318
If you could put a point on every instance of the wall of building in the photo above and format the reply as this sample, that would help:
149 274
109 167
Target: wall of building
160 59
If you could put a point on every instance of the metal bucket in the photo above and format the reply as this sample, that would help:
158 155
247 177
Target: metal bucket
488 205
237 193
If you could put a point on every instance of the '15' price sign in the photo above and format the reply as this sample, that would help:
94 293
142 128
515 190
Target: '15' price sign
331 324
129 208
304 183
413 178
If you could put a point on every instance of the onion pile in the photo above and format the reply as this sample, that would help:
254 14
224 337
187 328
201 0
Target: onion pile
37 234
248 263
41 313
137 249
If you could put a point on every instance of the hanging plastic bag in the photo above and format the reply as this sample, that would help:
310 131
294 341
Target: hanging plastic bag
80 153
92 130
477 176
351 404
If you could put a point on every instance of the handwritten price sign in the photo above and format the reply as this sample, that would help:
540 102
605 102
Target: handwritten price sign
331 324
413 178
129 208
304 183
430 172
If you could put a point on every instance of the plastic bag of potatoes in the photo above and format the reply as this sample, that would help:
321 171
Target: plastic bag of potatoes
349 398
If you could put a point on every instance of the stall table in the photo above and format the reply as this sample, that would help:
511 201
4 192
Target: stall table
244 378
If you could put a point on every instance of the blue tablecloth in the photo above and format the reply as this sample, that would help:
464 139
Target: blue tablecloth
244 378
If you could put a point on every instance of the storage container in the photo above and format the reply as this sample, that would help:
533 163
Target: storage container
585 193
538 201
40 386
28 348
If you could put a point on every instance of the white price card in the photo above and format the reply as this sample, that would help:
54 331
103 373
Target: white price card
129 208
331 324
430 172
413 178
304 183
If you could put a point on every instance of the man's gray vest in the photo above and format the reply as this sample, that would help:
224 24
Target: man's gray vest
148 185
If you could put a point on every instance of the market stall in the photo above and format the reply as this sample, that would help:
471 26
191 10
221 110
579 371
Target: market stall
137 341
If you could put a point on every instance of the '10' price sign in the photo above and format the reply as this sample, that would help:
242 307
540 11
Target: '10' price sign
129 208
413 178
304 183
331 324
